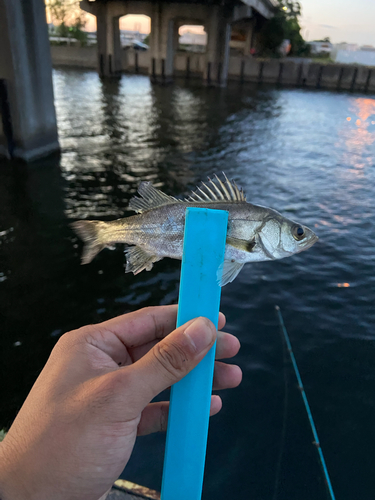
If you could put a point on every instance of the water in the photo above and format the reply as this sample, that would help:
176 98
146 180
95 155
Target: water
294 150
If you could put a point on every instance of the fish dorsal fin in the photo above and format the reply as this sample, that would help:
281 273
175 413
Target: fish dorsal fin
150 198
137 260
217 191
228 271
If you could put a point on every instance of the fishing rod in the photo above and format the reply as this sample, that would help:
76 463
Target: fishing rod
306 403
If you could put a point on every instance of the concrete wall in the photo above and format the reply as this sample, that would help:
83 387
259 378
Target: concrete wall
81 57
247 69
136 61
361 79
330 76
347 75
270 71
371 87
292 73
189 64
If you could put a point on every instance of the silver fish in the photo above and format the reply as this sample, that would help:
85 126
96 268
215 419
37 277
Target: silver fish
255 233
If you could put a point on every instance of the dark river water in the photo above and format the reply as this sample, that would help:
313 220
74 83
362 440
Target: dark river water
308 154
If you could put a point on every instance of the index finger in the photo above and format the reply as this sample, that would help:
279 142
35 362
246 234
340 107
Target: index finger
148 324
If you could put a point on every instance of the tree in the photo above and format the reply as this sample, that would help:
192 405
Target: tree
284 25
68 18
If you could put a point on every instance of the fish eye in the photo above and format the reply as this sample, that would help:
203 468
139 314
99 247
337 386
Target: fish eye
298 233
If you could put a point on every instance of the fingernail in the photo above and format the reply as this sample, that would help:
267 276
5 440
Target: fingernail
201 334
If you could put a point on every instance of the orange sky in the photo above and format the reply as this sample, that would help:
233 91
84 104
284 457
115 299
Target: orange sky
132 22
137 23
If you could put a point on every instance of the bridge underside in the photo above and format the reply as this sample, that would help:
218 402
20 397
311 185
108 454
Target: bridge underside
27 115
217 16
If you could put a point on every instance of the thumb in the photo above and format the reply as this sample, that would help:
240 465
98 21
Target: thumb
173 357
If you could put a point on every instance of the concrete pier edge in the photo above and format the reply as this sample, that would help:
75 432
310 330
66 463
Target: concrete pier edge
244 69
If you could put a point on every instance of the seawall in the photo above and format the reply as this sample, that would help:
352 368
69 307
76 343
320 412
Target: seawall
244 69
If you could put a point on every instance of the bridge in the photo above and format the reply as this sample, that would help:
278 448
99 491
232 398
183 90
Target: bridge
28 128
217 17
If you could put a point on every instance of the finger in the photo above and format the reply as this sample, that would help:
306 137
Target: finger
230 345
142 326
227 346
222 321
155 416
171 359
226 376
146 325
113 337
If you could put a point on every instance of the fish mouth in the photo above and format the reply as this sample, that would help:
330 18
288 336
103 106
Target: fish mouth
309 242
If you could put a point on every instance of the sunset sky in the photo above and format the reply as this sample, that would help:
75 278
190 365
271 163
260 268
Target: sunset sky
341 20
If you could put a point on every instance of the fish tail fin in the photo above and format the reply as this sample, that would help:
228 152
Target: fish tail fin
89 232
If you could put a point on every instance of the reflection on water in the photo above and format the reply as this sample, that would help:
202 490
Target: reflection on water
292 150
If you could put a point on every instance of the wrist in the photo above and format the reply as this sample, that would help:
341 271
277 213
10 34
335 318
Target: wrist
8 490
5 476
12 483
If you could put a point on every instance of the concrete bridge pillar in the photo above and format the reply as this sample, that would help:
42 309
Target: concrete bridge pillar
163 42
218 30
108 35
28 127
250 36
109 42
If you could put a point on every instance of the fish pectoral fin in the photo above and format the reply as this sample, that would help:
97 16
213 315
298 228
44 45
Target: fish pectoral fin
138 259
228 271
247 246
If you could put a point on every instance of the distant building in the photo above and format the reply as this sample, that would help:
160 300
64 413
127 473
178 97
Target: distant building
320 47
129 36
345 46
190 38
364 55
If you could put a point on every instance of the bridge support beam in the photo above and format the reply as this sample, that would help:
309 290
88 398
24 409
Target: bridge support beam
109 43
163 43
218 30
28 129
108 35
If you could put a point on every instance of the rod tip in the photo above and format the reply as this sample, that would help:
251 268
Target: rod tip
277 308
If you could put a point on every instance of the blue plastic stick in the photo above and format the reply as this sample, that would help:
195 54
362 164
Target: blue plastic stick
185 453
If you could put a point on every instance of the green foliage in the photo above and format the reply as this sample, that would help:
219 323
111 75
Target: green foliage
284 26
68 18
2 434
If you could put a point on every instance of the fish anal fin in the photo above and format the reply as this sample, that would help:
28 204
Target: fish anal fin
228 271
138 259
150 198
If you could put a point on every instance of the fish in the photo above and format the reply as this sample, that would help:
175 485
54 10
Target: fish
255 233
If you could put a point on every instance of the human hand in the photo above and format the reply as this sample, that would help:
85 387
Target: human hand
76 430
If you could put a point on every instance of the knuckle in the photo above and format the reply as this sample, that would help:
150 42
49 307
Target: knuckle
172 358
74 337
66 342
